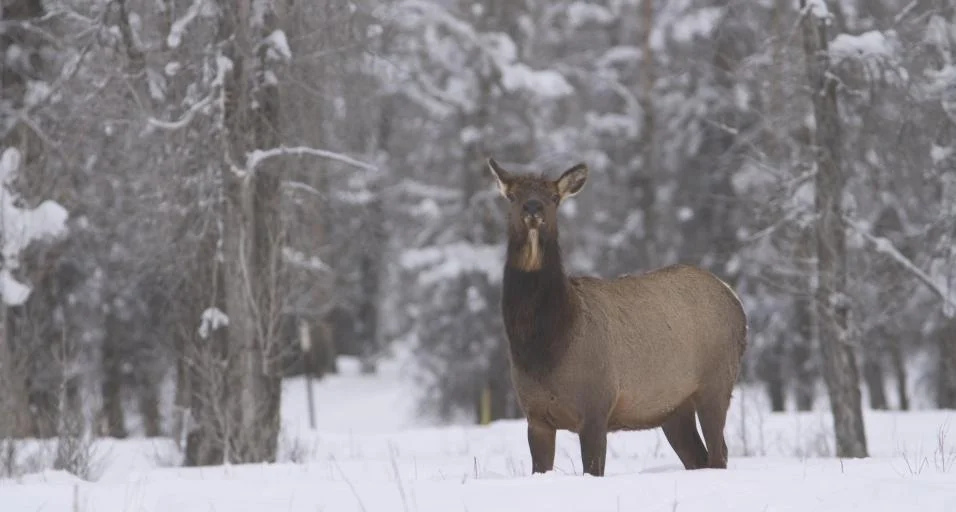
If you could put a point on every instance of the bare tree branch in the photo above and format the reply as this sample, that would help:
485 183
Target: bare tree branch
885 246
183 121
254 158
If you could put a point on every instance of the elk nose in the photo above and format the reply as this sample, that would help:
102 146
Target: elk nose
533 207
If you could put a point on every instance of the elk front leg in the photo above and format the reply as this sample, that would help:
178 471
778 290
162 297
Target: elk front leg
593 437
541 438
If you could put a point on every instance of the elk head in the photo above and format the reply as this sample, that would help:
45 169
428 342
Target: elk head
533 210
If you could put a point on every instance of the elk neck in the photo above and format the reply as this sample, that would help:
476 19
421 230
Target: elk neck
538 304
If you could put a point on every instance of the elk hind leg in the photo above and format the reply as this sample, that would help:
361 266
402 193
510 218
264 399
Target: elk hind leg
712 411
593 438
541 440
680 429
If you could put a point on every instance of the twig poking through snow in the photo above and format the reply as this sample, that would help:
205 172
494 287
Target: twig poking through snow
351 486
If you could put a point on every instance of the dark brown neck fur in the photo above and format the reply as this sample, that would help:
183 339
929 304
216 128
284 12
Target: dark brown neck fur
538 307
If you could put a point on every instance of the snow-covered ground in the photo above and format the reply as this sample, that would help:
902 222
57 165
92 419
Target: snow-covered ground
371 451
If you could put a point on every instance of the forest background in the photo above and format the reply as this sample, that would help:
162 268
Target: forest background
193 187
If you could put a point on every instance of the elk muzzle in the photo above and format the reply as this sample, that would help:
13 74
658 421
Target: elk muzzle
533 213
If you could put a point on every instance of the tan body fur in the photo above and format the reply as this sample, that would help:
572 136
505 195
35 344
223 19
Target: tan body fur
644 345
594 355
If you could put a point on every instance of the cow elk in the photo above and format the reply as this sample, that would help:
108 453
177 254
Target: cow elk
593 356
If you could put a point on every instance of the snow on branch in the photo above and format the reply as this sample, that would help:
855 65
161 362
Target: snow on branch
414 187
439 263
21 226
179 26
278 46
884 246
255 158
183 121
872 45
817 8
301 260
211 320
496 47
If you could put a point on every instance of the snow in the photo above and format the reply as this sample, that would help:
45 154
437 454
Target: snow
624 55
868 45
350 403
518 76
583 13
212 319
12 291
427 190
21 226
278 45
751 178
156 83
700 22
613 125
179 26
37 92
818 8
302 260
444 262
685 214
940 153
372 451
546 83
172 68
256 157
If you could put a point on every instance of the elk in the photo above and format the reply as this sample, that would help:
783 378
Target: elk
592 355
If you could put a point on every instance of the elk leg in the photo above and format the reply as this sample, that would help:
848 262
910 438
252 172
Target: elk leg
541 442
713 416
680 429
593 437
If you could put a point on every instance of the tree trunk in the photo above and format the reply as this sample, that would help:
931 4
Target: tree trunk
875 385
776 393
112 384
149 407
946 371
264 377
802 356
770 371
30 403
899 371
252 239
206 362
182 341
832 308
368 302
44 359
644 182
14 411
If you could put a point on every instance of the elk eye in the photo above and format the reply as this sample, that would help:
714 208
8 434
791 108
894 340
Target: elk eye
510 196
556 198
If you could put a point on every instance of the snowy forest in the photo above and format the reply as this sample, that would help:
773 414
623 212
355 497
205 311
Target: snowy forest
201 198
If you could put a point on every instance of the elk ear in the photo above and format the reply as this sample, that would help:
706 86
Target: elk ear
502 177
572 181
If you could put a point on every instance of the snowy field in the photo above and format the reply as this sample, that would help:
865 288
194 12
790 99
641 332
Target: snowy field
372 452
